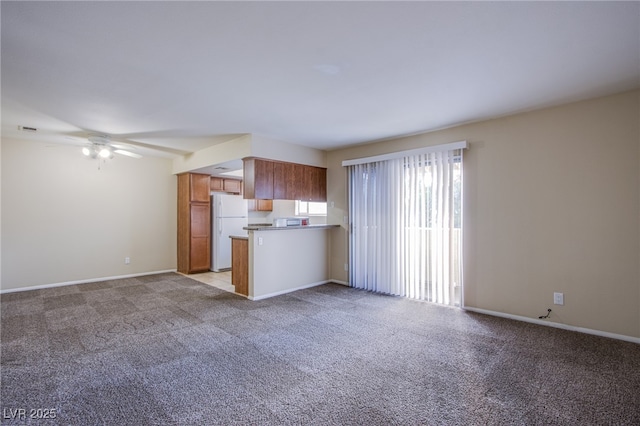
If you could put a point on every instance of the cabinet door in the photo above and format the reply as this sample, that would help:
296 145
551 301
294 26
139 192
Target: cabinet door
240 265
260 205
232 186
280 181
263 179
200 259
285 181
300 187
200 250
258 178
200 187
217 184
318 184
264 205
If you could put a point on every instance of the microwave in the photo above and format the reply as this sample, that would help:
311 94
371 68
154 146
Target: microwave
290 221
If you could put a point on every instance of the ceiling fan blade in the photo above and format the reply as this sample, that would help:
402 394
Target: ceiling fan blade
123 146
127 153
83 136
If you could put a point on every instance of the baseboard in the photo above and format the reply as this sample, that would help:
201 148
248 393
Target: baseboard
555 325
339 282
289 290
90 280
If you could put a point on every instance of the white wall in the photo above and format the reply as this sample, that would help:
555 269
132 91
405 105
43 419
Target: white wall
64 220
552 204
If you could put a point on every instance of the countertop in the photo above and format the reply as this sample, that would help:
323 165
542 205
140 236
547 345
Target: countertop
286 228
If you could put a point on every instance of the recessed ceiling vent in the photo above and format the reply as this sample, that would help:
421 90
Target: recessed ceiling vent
27 129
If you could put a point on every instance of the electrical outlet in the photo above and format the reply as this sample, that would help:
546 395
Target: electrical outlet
127 260
345 219
558 298
346 266
260 241
333 204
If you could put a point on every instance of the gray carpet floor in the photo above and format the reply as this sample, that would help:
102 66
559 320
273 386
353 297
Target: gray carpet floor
165 349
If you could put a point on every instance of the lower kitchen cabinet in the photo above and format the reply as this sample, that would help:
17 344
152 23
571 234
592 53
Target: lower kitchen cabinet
240 265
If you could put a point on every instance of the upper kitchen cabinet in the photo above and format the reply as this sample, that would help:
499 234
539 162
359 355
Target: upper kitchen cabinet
258 178
232 186
284 181
217 184
260 205
317 184
199 185
279 180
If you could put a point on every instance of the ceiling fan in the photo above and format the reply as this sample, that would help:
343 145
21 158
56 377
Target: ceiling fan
100 146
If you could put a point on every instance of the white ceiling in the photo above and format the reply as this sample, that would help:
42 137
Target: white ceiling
180 76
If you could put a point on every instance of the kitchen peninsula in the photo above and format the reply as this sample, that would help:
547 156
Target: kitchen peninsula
277 260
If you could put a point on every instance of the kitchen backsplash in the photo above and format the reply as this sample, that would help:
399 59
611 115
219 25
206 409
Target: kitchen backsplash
281 208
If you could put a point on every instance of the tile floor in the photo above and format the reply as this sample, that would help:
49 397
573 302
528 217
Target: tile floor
221 280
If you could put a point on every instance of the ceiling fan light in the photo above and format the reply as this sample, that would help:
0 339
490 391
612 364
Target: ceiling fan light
86 151
105 152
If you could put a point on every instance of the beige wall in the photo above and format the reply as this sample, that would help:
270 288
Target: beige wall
552 204
249 145
64 220
221 153
274 149
287 260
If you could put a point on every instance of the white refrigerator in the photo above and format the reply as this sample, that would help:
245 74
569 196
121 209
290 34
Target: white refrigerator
229 216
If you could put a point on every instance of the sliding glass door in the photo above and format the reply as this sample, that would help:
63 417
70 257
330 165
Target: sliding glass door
406 226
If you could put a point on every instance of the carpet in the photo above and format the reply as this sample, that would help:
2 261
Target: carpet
167 350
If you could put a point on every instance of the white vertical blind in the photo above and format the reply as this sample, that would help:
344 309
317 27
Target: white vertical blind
406 226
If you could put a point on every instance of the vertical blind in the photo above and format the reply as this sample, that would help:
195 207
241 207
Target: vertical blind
406 225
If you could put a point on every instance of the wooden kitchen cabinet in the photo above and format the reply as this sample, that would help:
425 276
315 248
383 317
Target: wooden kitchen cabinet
194 223
285 176
217 184
199 187
317 185
279 180
264 205
258 178
233 186
260 205
240 265
200 246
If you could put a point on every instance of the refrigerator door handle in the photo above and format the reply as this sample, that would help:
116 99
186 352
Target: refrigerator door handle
219 226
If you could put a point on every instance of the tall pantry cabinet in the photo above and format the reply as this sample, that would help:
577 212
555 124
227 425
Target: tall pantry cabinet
194 223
